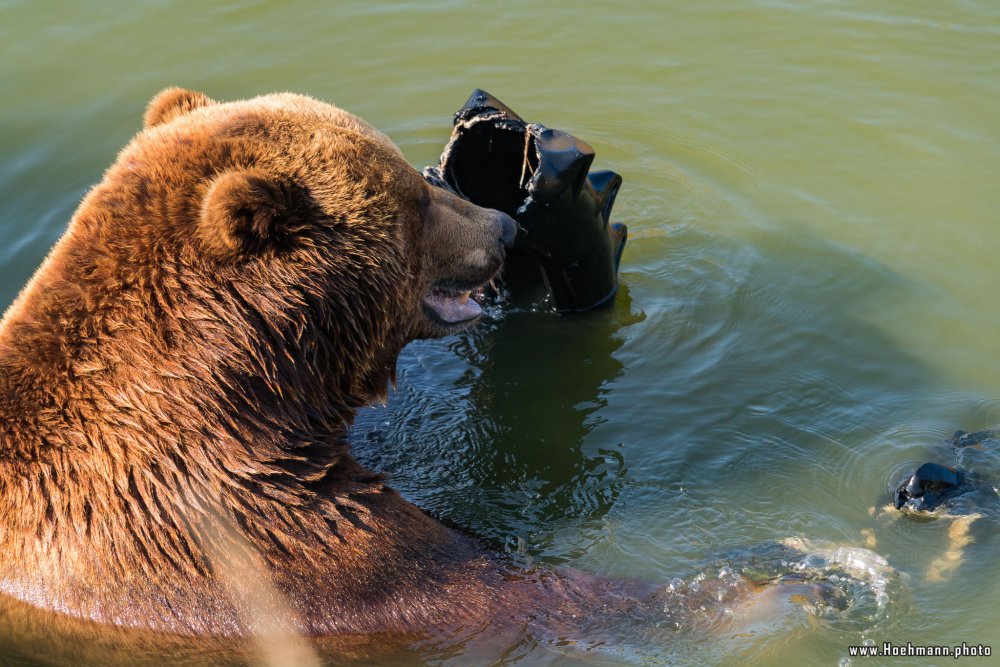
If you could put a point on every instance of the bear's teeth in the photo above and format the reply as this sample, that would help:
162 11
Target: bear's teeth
463 298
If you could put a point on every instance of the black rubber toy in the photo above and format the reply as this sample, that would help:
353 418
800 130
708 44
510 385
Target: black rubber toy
540 177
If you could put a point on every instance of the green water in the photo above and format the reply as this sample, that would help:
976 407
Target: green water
810 291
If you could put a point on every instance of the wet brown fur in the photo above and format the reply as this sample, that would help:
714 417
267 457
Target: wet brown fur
185 362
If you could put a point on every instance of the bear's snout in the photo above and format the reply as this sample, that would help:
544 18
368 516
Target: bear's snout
465 246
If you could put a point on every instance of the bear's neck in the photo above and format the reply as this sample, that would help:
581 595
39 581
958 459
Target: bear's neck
113 423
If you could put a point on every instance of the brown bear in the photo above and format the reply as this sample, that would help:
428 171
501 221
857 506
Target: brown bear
177 379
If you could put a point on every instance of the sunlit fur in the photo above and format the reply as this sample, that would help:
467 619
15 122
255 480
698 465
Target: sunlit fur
185 363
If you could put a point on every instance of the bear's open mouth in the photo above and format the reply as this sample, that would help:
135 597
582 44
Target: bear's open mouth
453 304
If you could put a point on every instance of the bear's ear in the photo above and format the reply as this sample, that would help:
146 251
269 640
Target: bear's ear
171 103
245 212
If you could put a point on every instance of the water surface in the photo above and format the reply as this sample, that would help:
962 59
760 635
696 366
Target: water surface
809 300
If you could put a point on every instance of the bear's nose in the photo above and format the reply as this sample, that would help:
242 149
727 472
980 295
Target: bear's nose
508 229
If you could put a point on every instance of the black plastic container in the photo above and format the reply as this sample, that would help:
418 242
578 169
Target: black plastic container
541 177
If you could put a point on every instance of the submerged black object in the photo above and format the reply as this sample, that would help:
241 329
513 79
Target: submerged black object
926 487
540 177
932 484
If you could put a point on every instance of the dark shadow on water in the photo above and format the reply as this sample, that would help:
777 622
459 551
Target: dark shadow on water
541 389
509 421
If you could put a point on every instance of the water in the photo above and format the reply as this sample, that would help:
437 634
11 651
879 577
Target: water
809 299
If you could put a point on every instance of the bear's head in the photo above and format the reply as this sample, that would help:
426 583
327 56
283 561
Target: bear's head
286 221
314 202
287 172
